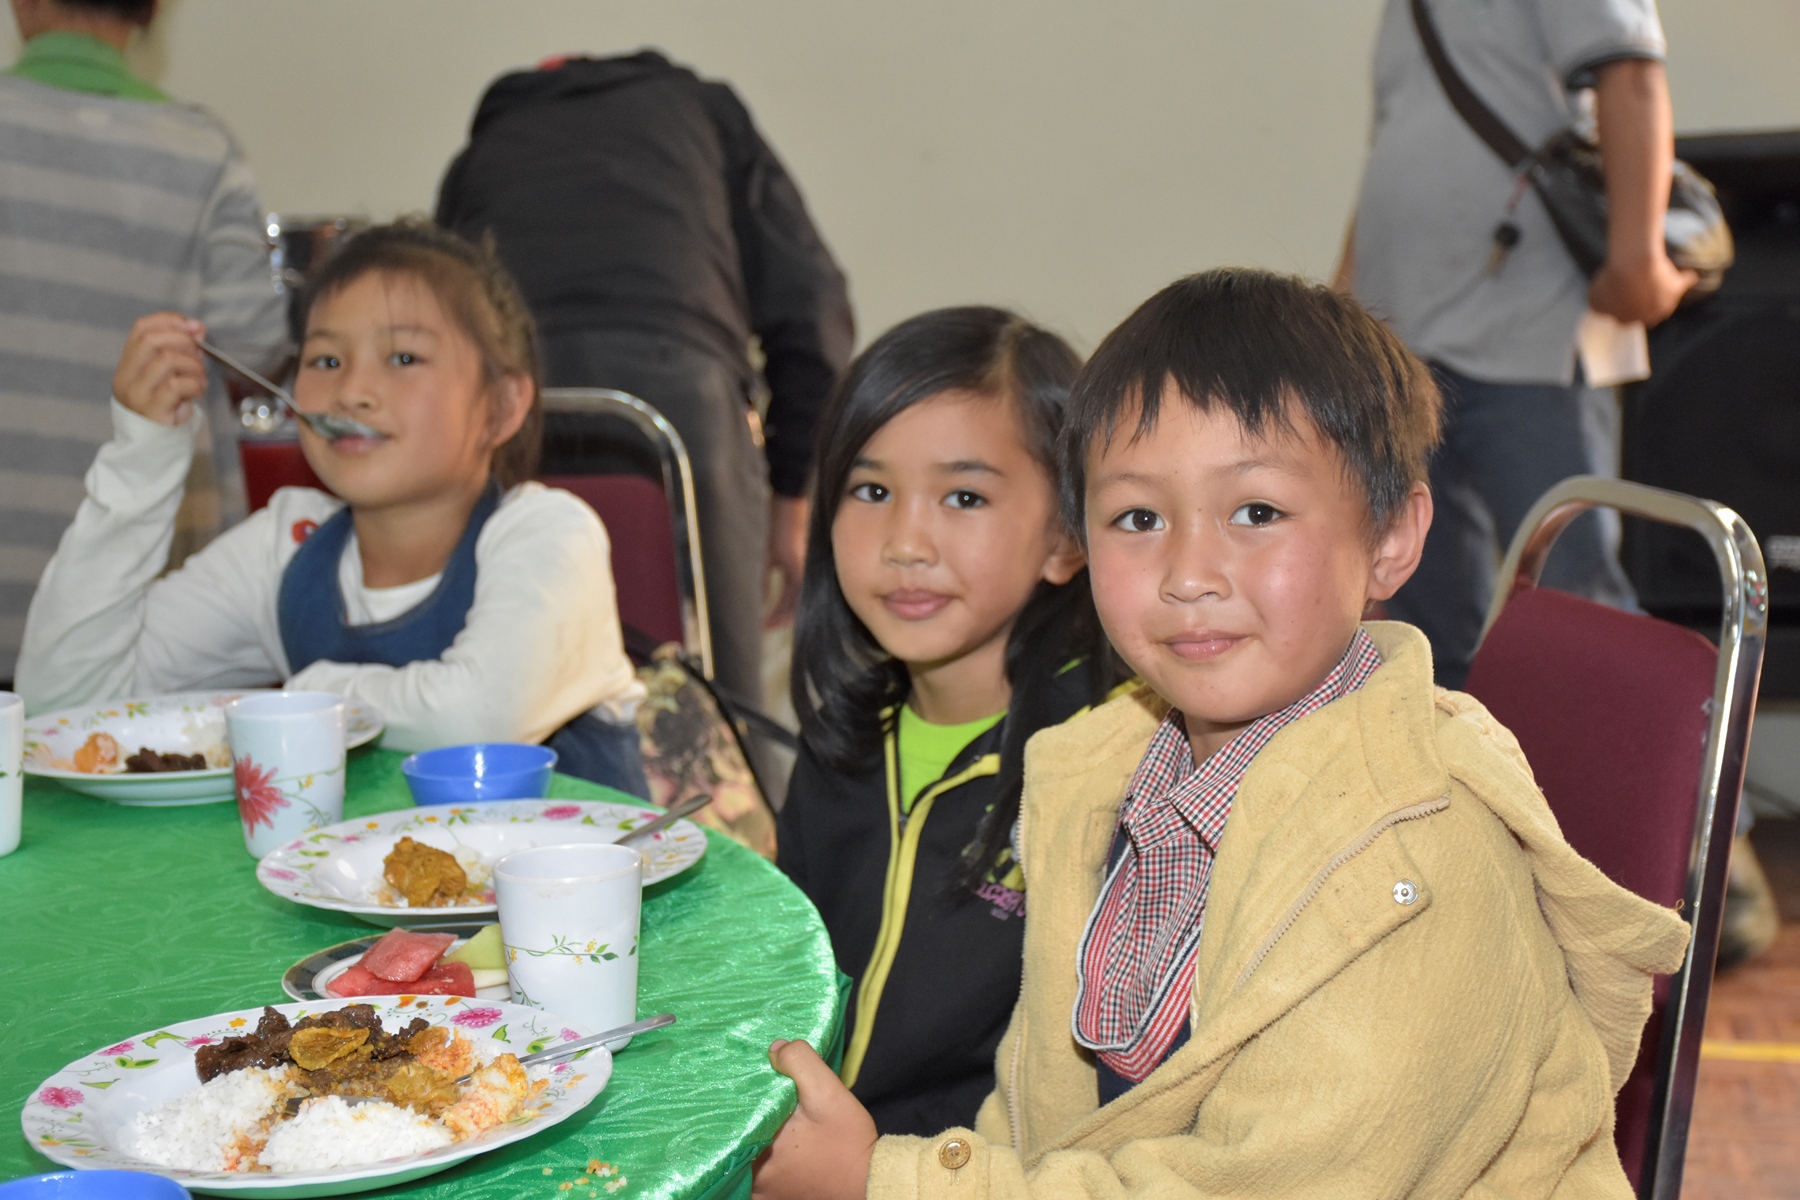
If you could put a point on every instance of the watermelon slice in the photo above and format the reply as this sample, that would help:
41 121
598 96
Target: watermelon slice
357 982
445 979
402 956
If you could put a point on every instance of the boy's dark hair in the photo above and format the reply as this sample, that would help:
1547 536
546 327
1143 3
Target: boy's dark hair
476 293
843 680
138 12
1262 344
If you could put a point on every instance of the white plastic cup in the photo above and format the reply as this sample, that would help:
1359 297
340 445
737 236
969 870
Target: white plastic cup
287 752
12 762
569 929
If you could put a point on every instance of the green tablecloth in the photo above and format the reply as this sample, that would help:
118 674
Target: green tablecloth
116 920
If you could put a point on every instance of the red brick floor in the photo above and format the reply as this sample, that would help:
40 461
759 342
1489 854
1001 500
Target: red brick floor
1744 1143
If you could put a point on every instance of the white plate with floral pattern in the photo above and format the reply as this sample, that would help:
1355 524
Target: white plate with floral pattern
339 867
183 723
83 1115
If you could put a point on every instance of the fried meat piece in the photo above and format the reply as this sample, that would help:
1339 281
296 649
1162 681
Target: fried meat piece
98 755
425 875
150 762
496 1094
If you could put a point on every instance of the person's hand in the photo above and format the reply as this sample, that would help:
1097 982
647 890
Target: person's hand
161 374
1645 291
823 1151
787 553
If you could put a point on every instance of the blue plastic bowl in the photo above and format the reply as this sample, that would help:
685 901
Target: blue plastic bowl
483 771
94 1185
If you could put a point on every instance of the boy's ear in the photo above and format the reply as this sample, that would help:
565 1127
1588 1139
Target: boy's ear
512 403
1065 560
1398 550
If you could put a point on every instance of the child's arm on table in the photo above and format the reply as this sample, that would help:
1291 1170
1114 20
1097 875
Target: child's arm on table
540 645
822 1152
101 624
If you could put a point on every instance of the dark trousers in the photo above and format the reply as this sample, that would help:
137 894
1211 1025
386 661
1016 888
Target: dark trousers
1506 444
704 399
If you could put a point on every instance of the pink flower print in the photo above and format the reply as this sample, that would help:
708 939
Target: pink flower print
569 1035
476 1018
257 795
121 1048
61 1097
561 812
282 873
560 1068
199 1041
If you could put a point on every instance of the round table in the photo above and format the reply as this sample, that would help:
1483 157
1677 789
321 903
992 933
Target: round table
119 920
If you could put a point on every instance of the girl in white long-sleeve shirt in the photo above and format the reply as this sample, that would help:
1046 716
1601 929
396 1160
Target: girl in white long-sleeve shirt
464 602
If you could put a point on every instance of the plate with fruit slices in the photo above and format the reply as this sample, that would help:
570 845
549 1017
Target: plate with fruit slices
459 959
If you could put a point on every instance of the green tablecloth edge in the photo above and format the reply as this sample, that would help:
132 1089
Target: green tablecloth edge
733 1179
735 1182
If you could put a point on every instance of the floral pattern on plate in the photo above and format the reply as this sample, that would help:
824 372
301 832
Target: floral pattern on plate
339 867
182 723
82 1115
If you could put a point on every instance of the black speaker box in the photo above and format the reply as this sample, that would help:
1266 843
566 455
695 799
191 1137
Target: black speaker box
1719 416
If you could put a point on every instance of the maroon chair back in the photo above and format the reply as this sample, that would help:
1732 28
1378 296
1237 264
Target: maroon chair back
635 511
271 465
1612 710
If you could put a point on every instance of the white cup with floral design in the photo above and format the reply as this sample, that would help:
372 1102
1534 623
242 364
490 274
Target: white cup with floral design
287 752
12 761
569 930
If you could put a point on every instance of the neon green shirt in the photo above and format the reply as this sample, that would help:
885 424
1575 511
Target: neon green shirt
80 63
927 750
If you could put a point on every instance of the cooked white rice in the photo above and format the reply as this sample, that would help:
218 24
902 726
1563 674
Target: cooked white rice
197 1131
474 866
330 1133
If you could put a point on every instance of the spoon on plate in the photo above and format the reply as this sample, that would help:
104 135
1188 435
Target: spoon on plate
323 424
678 810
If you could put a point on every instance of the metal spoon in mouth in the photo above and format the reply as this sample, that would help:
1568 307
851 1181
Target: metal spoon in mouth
323 424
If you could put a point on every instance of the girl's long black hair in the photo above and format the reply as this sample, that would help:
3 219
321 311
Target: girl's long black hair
843 680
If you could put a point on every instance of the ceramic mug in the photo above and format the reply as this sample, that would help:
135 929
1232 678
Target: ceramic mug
569 930
287 752
12 761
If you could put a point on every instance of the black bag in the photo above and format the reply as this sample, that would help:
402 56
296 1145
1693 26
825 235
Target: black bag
1565 172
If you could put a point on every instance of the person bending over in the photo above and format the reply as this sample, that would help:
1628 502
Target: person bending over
435 581
1301 923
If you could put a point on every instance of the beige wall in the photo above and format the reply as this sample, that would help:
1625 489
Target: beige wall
1063 156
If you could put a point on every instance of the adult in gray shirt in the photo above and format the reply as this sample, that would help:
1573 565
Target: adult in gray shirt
1502 339
114 203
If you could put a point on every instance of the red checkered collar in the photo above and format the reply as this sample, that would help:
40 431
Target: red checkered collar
1135 964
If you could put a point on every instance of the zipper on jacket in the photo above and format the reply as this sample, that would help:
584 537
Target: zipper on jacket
1362 842
904 831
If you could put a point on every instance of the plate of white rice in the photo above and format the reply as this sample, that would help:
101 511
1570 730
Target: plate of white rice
139 1105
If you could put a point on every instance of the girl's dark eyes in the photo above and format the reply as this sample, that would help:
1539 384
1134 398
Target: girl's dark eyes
1256 513
403 358
869 493
324 362
964 498
1139 520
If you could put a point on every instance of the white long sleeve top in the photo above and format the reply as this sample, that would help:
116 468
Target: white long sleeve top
540 645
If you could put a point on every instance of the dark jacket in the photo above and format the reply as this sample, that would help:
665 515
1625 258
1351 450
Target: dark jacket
944 994
629 194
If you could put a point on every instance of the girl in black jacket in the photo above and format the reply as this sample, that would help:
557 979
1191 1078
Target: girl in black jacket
945 617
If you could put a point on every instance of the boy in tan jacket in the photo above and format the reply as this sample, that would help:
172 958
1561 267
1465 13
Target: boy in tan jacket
1301 923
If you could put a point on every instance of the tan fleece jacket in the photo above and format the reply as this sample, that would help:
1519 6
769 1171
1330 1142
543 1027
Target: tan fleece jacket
1408 983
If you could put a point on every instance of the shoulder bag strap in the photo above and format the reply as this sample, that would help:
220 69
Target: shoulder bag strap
1476 114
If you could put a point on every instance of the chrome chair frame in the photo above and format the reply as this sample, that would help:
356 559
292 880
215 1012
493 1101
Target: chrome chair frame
678 488
1742 633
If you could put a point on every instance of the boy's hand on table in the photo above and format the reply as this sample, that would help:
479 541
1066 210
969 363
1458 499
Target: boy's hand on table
823 1151
161 374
